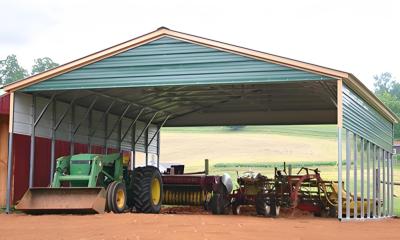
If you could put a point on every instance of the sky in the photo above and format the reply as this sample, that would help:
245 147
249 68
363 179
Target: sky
360 37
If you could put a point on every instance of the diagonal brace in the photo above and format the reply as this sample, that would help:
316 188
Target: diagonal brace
131 125
86 115
44 109
147 126
118 121
158 130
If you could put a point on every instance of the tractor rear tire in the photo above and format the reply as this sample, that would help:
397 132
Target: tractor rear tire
218 204
116 197
147 190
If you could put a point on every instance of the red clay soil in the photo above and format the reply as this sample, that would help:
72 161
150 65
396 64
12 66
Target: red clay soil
190 227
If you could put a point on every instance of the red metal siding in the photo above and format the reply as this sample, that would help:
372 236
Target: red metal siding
5 104
42 161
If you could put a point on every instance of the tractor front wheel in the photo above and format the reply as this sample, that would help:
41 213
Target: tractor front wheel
147 189
116 197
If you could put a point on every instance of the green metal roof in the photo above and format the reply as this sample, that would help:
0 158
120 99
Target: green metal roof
171 62
360 118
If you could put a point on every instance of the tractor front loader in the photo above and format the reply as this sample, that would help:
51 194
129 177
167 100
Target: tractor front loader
93 183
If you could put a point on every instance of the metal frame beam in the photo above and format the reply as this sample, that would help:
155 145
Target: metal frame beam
158 130
35 122
147 126
86 115
131 125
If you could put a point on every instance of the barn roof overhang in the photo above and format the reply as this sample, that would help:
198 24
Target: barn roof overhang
280 99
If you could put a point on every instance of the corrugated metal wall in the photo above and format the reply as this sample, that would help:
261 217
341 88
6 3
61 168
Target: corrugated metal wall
168 61
365 121
23 118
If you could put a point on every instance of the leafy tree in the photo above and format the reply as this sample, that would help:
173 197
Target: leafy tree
43 64
388 91
10 70
383 82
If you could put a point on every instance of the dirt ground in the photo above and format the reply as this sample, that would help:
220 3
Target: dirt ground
189 227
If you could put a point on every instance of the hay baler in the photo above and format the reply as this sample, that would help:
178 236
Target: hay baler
94 183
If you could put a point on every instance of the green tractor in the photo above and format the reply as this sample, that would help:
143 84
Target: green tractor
93 183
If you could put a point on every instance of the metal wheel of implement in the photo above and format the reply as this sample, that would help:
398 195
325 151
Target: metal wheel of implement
218 204
262 208
147 190
235 208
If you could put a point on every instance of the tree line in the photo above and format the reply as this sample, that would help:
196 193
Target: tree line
11 70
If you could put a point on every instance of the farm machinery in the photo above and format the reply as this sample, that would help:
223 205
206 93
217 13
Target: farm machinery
93 183
305 191
192 189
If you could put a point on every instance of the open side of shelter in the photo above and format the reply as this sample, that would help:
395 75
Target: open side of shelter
119 98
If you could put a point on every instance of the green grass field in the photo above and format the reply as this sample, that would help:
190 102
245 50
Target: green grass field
257 148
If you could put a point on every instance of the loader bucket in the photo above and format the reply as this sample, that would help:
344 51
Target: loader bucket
73 200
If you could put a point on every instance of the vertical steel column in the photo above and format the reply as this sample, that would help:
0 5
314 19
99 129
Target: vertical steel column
392 187
388 184
383 183
105 150
340 179
355 175
368 180
146 146
374 182
72 135
158 149
362 213
133 162
348 161
378 182
90 131
10 153
32 152
119 129
53 140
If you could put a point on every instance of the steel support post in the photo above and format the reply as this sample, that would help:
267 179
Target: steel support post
158 150
362 213
133 137
368 180
119 141
383 183
391 188
105 133
388 181
348 162
146 146
374 182
10 154
355 191
378 182
340 179
72 135
116 124
35 122
53 140
90 119
32 149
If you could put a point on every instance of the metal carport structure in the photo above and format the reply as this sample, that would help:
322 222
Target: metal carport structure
119 98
